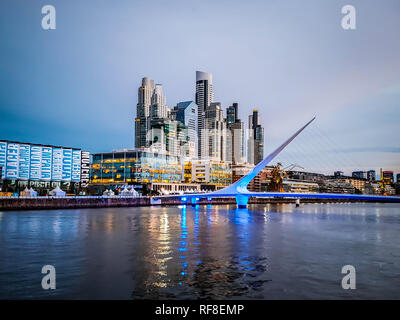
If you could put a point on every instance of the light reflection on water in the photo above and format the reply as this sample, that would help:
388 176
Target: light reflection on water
268 251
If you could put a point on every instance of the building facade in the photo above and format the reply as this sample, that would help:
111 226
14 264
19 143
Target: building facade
215 134
140 168
186 113
208 172
43 167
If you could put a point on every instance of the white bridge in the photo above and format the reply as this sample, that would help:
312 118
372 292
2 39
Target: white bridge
239 191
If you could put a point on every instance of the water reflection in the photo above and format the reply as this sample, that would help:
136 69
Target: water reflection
207 252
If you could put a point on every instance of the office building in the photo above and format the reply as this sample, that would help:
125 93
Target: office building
214 136
139 166
235 147
168 136
210 174
43 167
255 144
186 113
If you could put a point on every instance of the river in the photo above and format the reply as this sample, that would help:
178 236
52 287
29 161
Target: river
275 251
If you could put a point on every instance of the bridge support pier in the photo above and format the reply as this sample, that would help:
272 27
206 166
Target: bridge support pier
241 201
193 201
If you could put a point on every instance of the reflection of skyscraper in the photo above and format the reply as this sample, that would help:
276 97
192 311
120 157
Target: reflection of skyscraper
255 145
235 149
145 94
204 97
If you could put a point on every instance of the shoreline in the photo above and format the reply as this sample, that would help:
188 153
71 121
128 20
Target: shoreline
20 204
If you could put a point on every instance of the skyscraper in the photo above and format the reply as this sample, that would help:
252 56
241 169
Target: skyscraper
186 113
235 149
255 145
204 97
158 107
214 134
145 94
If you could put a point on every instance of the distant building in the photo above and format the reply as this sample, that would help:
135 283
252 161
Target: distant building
371 175
388 177
359 174
397 186
398 178
259 182
338 174
305 176
255 144
357 183
336 186
372 188
300 186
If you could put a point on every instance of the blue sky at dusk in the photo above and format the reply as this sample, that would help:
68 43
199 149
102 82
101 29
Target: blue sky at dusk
77 85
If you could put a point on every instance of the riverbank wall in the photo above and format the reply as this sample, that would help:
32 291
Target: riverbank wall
47 203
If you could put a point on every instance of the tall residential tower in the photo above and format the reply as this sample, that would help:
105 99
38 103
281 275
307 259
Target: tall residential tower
204 98
255 145
145 94
236 128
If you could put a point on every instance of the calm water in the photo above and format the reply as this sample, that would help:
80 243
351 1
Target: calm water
218 252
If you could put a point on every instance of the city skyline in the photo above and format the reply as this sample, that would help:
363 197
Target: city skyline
288 66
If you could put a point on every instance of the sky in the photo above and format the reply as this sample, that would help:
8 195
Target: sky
292 60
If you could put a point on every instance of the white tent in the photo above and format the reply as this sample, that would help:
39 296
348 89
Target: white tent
28 193
108 193
129 192
57 192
